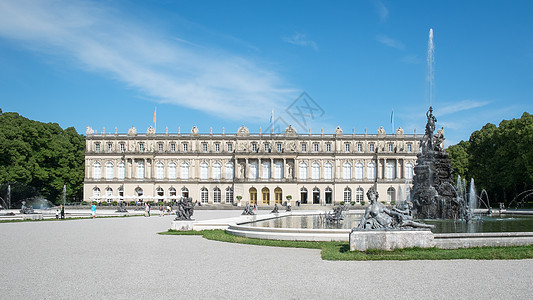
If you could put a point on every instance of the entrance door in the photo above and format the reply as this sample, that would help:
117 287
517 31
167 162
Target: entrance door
278 195
303 196
253 196
329 196
316 196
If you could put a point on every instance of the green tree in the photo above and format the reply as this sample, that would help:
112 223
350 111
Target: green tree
459 157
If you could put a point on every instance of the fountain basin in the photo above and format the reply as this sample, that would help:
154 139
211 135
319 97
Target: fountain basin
362 240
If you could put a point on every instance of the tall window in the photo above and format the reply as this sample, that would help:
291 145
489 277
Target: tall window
160 147
108 170
371 171
359 195
266 195
303 171
173 147
253 170
389 174
267 147
229 171
391 147
172 193
109 194
184 171
409 147
122 147
96 194
347 195
347 171
140 170
304 147
328 147
217 171
217 147
372 148
216 195
204 171
278 147
204 195
141 147
97 170
160 171
97 147
185 147
315 147
266 171
347 147
315 172
409 171
172 171
160 194
204 147
254 147
109 147
359 171
121 170
328 171
278 173
121 194
391 194
230 147
359 147
229 195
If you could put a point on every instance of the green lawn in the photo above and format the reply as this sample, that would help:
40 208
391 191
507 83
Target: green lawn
341 250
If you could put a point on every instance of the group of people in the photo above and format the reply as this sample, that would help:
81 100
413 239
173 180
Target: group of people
60 211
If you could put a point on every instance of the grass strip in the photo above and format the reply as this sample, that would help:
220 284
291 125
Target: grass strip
341 250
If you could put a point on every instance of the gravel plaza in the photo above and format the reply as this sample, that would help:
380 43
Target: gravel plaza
125 258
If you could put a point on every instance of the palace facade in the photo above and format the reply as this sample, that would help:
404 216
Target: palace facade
262 169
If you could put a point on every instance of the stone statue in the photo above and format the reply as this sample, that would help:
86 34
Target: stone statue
121 208
276 209
248 210
26 209
185 209
132 131
89 131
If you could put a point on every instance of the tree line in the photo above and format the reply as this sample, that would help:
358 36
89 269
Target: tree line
39 159
499 158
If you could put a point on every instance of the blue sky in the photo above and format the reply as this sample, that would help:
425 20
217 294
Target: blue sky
228 63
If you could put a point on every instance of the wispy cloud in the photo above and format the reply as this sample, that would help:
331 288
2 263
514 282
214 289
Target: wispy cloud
301 39
162 67
390 42
382 10
460 106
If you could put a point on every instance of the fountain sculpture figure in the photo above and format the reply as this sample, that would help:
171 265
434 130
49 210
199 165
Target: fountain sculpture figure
185 209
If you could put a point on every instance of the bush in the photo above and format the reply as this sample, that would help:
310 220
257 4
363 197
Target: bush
363 202
115 203
103 203
83 202
352 203
94 203
342 202
383 202
161 203
132 203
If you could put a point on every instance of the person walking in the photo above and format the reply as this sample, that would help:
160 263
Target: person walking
93 210
147 210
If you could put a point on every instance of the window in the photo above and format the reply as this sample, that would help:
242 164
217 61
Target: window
328 171
372 148
254 147
347 195
204 147
204 196
108 170
184 192
328 147
184 171
409 147
121 193
217 147
160 194
347 171
371 171
141 147
97 147
303 195
266 171
304 147
229 195
266 195
315 147
389 172
109 147
173 147
267 147
172 193
217 171
96 194
315 171
109 194
122 147
391 195
160 171
172 171
278 147
229 171
409 171
359 195
391 147
359 147
121 170
97 170
253 170
278 173
216 195
140 170
204 171
303 171
140 193
185 147
359 171
160 147
230 147
347 147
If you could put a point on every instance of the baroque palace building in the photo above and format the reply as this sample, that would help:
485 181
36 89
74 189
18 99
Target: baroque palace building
262 169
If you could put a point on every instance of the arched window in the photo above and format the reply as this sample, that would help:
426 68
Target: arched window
371 171
253 171
316 195
359 171
266 195
204 171
266 171
217 171
109 170
391 195
172 171
216 195
253 195
140 170
160 171
204 195
229 195
172 193
121 170
359 195
278 173
347 195
96 194
229 171
278 195
184 171
185 192
347 171
409 171
139 192
328 171
389 173
329 195
303 171
303 195
121 194
315 172
97 170
160 194
109 194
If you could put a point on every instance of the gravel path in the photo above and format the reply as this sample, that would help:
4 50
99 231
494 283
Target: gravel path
124 258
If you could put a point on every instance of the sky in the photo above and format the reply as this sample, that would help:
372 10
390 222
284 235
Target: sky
222 64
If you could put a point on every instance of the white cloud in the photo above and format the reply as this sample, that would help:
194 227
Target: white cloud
460 106
390 42
382 10
163 67
301 39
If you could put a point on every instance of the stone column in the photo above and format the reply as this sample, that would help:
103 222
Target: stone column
272 170
246 169
283 168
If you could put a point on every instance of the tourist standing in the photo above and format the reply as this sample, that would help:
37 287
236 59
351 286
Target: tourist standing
93 210
147 210
62 211
57 214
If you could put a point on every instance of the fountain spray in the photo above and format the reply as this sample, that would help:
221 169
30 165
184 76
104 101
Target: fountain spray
431 62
